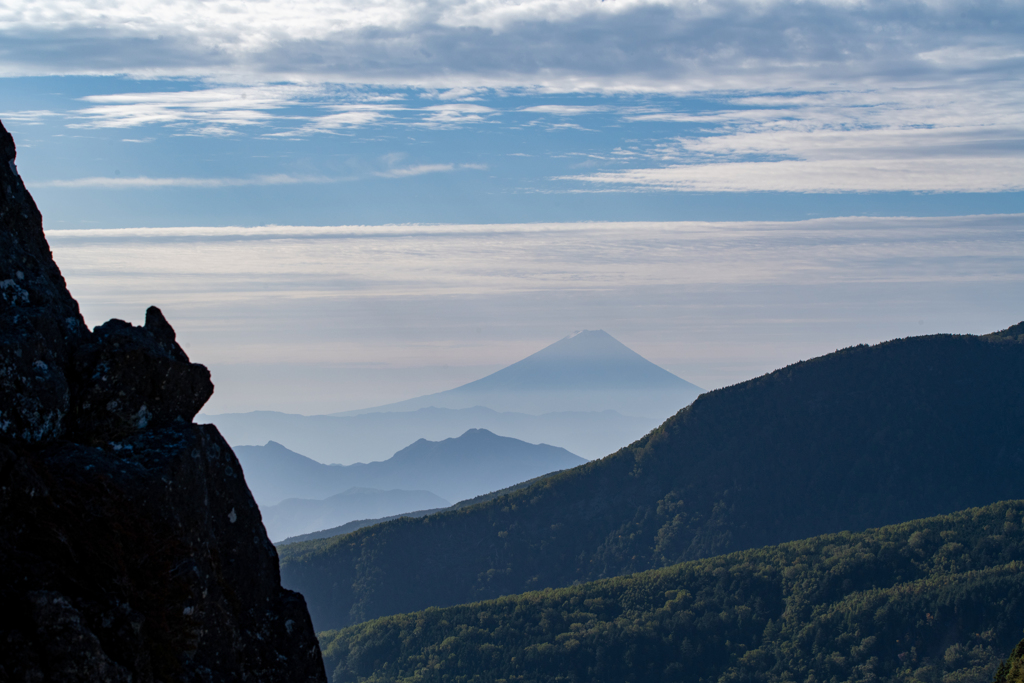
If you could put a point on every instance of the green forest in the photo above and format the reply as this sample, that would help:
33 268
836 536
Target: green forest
1012 670
860 438
939 600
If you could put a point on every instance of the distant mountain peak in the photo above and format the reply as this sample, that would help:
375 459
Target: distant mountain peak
588 344
586 371
579 332
583 361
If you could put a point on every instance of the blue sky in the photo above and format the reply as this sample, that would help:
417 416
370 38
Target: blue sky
772 121
116 152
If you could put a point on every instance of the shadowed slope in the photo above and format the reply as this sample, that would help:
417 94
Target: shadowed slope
935 599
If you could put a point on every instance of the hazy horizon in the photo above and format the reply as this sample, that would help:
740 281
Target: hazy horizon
347 204
321 320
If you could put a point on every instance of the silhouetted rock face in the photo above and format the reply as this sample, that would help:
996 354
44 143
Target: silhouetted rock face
130 378
39 321
131 548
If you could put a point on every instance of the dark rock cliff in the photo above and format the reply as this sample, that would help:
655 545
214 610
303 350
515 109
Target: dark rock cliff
130 547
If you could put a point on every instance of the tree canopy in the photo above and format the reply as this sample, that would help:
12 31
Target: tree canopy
936 600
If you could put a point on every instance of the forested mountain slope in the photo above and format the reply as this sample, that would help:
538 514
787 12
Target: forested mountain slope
856 439
1012 670
931 600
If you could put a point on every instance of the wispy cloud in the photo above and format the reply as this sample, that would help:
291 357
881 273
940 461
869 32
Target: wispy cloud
276 110
420 169
565 109
455 114
801 95
963 138
937 174
143 182
216 111
30 117
346 117
893 140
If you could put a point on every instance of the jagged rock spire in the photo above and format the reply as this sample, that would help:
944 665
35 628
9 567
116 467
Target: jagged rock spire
132 549
58 379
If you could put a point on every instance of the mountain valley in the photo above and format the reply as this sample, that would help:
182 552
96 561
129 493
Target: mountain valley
936 599
862 437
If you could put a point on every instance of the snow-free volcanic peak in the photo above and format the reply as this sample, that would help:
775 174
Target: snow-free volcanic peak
588 370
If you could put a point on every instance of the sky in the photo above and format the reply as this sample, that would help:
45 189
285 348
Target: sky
346 203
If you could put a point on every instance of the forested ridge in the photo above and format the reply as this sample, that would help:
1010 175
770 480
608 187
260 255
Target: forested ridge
934 600
1012 670
862 437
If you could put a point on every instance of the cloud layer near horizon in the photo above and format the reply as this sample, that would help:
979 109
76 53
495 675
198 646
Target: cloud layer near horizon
714 302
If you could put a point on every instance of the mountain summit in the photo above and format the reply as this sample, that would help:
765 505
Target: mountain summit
589 360
584 372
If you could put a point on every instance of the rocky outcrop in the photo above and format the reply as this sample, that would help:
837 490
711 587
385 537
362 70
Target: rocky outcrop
130 547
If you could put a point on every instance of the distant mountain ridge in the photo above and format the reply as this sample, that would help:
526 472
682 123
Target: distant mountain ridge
855 439
475 463
299 515
583 372
587 393
360 523
377 436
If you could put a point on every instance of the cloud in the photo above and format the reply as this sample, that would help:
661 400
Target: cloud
421 169
892 140
566 45
32 117
565 109
209 112
227 110
949 174
723 301
456 114
801 95
144 182
586 256
566 126
416 170
346 117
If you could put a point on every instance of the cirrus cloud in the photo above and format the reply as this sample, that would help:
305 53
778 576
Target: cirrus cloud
144 182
